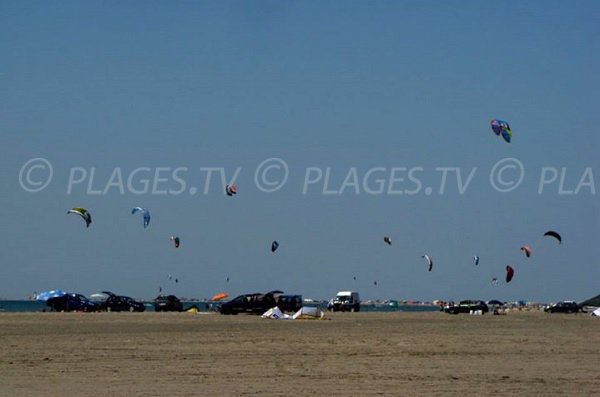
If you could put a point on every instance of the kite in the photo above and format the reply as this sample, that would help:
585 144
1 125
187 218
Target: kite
510 272
274 246
476 260
175 241
82 212
388 240
526 250
552 233
502 128
146 214
230 190
171 279
429 261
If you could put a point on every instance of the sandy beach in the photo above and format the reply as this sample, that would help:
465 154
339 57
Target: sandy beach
348 354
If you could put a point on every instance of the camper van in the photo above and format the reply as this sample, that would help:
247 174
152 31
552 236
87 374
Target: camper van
345 301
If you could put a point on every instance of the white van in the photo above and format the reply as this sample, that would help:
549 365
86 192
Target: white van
345 301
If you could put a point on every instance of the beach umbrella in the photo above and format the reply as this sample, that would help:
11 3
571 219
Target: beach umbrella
55 293
219 296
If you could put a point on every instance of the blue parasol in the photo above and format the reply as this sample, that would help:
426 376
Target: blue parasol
55 293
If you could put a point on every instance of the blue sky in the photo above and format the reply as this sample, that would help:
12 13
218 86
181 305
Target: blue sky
344 86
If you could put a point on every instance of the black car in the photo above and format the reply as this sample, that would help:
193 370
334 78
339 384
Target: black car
289 303
467 306
563 307
116 303
249 303
71 303
168 303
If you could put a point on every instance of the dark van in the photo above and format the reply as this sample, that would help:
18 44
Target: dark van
249 303
289 303
168 303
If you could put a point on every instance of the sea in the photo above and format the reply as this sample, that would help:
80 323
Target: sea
16 306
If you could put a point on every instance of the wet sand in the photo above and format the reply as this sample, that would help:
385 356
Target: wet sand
348 354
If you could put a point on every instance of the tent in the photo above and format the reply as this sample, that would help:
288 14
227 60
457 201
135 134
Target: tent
276 314
309 313
305 313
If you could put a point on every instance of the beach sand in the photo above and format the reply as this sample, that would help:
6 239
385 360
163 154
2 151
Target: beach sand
348 354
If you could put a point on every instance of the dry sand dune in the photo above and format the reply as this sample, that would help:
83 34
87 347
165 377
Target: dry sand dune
350 354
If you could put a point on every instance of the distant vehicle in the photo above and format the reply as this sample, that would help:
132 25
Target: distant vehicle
467 306
168 303
563 307
100 297
116 303
289 303
345 301
251 303
71 303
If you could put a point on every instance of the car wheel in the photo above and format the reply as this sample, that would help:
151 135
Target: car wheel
131 309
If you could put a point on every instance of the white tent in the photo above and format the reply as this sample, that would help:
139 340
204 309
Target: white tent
304 313
276 314
308 313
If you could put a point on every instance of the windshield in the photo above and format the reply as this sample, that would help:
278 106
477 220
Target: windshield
82 298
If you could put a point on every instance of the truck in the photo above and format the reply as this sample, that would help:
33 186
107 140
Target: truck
345 301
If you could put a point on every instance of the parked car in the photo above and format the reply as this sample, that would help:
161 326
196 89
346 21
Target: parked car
100 297
467 306
563 307
289 303
116 303
345 301
250 303
168 303
71 303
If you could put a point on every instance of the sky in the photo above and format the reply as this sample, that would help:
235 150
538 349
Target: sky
340 122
